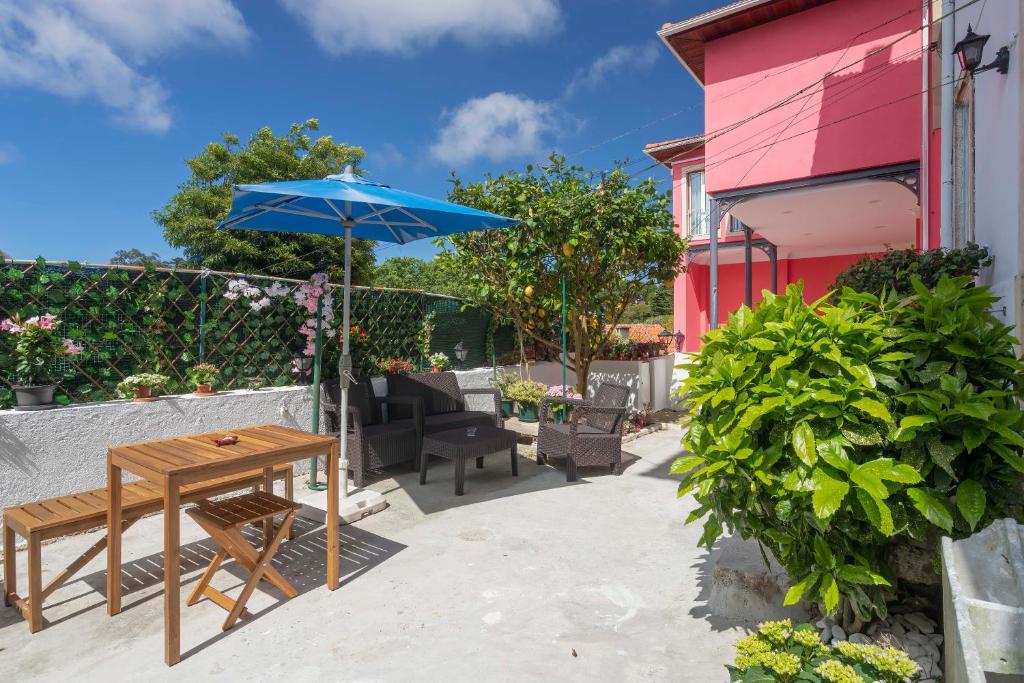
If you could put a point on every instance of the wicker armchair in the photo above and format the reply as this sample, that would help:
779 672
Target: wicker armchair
592 436
442 403
372 443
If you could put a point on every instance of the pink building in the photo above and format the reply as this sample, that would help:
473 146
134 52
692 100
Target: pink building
814 152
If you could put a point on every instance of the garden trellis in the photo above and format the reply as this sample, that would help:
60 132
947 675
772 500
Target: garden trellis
138 319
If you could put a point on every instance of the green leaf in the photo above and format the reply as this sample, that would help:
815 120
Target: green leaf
803 443
685 464
801 588
761 344
914 421
852 573
961 350
827 396
873 408
894 356
868 479
828 493
970 500
943 453
723 394
755 412
973 437
831 450
860 434
829 592
933 506
877 512
823 554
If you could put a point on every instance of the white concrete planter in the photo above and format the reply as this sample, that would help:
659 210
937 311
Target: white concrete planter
983 605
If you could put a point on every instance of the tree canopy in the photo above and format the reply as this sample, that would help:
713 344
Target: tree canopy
191 214
137 257
612 239
409 272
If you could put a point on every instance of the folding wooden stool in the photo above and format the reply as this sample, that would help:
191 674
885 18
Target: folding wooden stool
224 521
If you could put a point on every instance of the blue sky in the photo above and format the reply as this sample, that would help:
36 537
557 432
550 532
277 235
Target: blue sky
101 101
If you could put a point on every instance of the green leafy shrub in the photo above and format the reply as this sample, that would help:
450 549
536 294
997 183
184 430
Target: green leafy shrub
829 432
781 652
203 373
894 270
525 391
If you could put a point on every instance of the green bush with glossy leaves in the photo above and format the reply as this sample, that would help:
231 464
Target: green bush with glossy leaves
829 432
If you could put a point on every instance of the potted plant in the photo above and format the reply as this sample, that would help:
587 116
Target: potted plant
528 395
143 387
203 377
438 362
502 382
560 411
394 366
37 348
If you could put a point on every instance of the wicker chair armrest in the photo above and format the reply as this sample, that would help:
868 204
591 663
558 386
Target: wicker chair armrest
355 420
492 391
548 400
586 410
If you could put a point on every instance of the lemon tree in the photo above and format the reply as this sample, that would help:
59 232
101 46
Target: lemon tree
608 236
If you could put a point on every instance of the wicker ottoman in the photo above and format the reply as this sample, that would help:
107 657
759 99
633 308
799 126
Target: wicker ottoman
458 446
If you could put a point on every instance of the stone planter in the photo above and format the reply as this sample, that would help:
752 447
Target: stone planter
38 397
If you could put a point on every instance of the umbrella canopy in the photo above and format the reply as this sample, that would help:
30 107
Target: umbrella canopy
344 204
373 211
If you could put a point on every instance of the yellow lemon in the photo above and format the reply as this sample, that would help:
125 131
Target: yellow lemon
528 291
568 250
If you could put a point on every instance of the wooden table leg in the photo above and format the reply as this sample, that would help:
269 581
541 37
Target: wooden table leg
172 573
333 490
113 538
10 568
268 524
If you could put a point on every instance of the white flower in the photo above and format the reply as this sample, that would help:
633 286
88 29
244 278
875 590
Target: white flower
262 303
252 292
231 295
276 289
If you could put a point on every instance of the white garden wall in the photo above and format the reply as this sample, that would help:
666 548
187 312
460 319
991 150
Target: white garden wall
55 452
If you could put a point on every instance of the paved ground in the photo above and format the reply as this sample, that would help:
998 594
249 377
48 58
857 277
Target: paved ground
502 584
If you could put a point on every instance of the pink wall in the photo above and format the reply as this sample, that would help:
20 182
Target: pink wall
691 301
749 71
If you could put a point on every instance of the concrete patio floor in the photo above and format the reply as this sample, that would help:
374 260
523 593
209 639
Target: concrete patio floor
525 579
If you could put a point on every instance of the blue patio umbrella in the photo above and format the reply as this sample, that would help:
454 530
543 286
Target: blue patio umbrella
349 206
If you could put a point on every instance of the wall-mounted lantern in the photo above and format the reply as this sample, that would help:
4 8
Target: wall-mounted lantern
970 51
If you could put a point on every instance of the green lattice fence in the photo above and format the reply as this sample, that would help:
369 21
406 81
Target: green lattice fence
133 320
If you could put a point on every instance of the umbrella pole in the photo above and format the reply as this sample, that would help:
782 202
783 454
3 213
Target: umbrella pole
564 348
318 355
345 365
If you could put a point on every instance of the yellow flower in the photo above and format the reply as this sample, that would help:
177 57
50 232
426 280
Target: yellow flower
777 632
835 671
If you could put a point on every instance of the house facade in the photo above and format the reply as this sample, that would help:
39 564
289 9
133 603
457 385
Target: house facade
822 142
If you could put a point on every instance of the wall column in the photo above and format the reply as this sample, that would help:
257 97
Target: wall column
714 219
773 259
748 267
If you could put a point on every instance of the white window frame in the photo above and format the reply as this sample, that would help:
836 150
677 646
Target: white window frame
703 229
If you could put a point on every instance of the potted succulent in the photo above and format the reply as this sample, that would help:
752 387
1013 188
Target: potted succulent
394 366
502 382
37 348
438 362
143 387
528 395
560 411
203 377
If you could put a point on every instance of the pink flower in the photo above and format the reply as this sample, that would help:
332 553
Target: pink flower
32 322
9 325
47 322
72 349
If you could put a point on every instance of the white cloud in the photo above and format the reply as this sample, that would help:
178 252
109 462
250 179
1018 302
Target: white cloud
95 48
617 60
496 127
407 26
8 154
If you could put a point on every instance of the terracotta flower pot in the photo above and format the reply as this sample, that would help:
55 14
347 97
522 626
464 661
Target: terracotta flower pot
143 395
435 370
204 390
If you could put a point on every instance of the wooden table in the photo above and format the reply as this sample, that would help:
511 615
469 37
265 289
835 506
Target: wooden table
172 463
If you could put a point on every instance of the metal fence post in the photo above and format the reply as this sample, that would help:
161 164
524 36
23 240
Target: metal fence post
202 315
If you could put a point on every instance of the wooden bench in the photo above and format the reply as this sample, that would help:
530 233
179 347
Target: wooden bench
56 517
